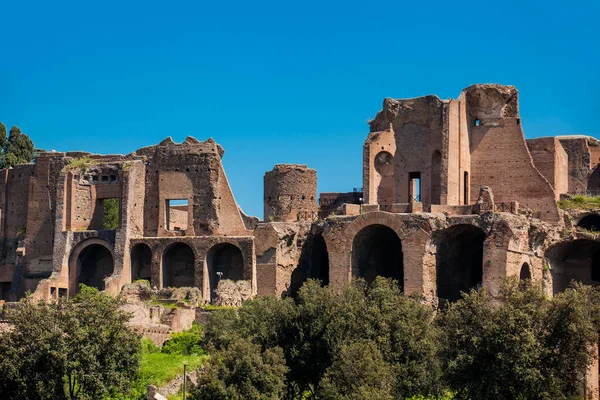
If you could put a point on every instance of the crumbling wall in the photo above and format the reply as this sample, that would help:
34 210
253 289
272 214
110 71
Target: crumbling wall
418 131
378 167
499 155
290 193
551 160
15 185
175 169
579 158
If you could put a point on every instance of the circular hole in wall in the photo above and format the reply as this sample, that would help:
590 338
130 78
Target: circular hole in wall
384 163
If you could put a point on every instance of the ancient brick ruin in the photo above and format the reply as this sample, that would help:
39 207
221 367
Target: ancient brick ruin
453 197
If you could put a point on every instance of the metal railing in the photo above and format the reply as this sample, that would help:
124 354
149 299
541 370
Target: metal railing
306 215
586 192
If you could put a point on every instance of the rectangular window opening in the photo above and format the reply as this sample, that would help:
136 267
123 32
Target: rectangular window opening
110 213
466 188
414 186
177 214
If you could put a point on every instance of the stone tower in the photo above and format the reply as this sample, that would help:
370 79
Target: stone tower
290 193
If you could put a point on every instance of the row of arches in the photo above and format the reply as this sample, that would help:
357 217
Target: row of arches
376 251
94 263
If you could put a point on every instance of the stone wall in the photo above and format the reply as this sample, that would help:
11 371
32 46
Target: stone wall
550 158
290 193
499 156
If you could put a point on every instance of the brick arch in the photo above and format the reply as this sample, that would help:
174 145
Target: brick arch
375 218
76 252
165 249
233 251
589 221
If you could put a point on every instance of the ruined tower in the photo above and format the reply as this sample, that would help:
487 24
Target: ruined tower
290 193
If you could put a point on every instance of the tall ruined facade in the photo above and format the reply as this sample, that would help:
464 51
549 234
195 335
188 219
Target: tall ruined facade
453 197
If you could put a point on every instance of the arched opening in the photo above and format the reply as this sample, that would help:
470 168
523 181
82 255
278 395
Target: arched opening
94 264
384 167
577 260
436 180
224 261
459 261
590 223
377 251
178 266
141 262
525 274
313 264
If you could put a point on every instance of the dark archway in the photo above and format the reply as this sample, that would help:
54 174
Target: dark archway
577 260
313 264
459 261
436 177
525 273
590 222
94 264
141 262
377 251
178 266
226 260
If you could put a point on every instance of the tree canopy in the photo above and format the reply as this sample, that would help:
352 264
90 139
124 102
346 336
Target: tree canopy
371 341
15 149
68 349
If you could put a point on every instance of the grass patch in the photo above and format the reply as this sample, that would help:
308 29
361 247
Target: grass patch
165 304
79 163
214 307
160 368
580 202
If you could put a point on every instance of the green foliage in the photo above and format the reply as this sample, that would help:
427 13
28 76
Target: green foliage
68 349
520 346
2 135
358 372
81 163
185 343
16 149
111 213
243 371
312 331
580 202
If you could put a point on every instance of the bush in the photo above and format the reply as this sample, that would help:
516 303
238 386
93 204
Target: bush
185 343
312 331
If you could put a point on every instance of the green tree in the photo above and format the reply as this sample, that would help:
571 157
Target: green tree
358 372
17 149
520 345
2 135
312 330
68 349
111 213
243 372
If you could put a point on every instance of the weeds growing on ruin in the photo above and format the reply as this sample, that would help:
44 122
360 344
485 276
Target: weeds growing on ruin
82 163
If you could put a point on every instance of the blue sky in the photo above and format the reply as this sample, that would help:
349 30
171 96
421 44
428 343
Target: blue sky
283 81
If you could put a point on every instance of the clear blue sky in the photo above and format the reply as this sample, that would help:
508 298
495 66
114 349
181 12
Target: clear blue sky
283 82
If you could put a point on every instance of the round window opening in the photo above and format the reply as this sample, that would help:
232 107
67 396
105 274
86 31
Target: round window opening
384 163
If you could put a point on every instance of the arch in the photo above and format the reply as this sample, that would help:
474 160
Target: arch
436 177
590 222
384 166
224 261
178 266
377 251
141 262
313 264
576 260
459 261
525 273
91 263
